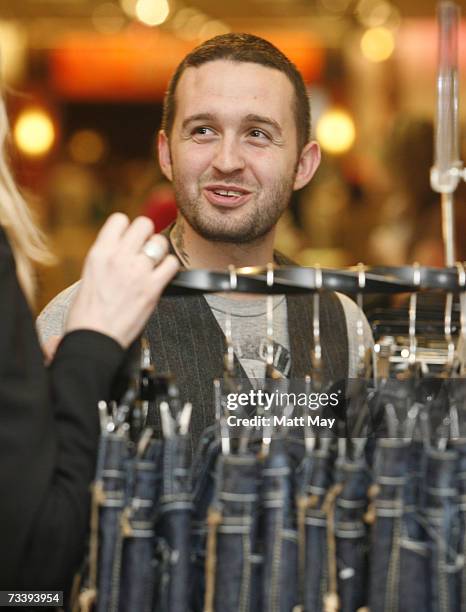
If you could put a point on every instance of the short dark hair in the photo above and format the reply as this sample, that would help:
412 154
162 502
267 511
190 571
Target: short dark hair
243 48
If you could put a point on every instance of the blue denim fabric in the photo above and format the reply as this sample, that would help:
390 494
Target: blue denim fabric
235 501
391 460
303 475
113 456
316 560
153 527
460 447
415 550
134 571
442 515
203 483
279 531
351 534
174 526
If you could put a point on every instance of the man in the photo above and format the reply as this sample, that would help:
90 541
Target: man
235 142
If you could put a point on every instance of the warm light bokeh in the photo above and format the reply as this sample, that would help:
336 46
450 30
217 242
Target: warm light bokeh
152 12
34 132
335 131
377 44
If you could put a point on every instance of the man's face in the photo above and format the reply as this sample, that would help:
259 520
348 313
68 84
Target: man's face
232 153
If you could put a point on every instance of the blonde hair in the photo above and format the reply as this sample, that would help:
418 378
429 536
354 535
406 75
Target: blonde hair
26 239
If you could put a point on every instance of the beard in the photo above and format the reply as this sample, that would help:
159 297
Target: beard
259 217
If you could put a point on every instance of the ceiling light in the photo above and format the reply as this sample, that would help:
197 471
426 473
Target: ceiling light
152 12
335 131
34 132
377 44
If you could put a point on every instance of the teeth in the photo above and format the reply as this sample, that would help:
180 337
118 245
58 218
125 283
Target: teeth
224 192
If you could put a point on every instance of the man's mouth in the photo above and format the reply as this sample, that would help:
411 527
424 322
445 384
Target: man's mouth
229 197
229 194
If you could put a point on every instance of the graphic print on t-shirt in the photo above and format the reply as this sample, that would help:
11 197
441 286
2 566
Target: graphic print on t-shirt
253 357
249 332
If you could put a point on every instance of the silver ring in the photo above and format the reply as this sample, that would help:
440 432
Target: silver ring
154 251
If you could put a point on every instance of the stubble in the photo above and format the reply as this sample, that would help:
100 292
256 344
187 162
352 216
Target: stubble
258 219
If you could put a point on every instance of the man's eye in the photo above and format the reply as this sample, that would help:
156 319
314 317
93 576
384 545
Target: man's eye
258 134
202 131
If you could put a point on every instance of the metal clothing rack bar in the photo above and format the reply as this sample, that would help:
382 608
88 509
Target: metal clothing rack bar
448 169
299 280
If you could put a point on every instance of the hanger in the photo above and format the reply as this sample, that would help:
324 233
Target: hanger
316 353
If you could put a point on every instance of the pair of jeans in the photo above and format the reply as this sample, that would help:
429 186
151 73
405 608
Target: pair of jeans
110 482
316 560
442 515
134 571
279 531
203 485
232 538
351 534
415 549
390 467
459 446
303 475
174 526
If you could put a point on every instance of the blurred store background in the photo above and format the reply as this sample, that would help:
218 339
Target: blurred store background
84 81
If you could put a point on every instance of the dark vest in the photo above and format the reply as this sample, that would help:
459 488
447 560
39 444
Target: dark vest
187 341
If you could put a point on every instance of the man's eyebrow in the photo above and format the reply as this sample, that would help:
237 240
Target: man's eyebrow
197 117
251 118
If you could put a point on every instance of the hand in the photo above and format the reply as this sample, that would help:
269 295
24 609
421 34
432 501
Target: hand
121 284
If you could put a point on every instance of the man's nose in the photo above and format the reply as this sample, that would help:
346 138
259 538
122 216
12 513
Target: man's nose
228 156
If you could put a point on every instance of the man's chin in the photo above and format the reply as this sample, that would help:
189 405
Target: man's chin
229 237
242 234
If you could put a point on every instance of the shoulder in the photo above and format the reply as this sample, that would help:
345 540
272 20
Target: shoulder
350 308
51 321
353 317
353 314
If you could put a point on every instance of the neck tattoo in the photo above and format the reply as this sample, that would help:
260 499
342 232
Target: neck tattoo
177 236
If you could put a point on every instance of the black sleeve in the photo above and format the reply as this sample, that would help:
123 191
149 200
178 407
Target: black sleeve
48 441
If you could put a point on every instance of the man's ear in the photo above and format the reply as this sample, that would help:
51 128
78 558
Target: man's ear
165 160
308 163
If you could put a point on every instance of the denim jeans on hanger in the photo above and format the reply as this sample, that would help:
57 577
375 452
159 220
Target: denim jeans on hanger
279 531
459 446
316 561
174 526
302 478
351 534
232 537
441 511
111 476
415 549
391 462
134 569
203 485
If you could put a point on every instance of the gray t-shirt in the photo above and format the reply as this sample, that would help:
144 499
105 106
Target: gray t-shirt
249 330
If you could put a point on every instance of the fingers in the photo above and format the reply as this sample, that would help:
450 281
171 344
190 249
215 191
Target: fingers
140 230
122 280
164 272
118 233
112 230
155 249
